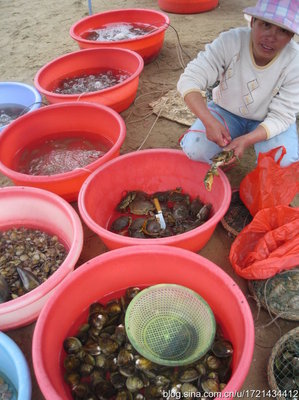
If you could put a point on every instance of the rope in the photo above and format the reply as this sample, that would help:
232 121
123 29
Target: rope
146 137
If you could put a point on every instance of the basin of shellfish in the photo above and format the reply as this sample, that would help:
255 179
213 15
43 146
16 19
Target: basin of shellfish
141 30
84 74
107 277
34 209
58 146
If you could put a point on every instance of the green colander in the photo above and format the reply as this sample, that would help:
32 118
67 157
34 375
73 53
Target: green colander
170 324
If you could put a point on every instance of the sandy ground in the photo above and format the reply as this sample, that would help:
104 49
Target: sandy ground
34 32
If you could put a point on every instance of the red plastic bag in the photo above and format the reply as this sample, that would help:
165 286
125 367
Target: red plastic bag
268 245
269 184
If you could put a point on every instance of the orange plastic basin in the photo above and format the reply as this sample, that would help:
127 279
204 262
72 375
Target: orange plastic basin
150 171
108 275
38 209
119 97
187 6
147 46
48 122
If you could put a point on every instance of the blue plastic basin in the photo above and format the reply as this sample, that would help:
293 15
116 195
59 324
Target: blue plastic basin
14 366
19 93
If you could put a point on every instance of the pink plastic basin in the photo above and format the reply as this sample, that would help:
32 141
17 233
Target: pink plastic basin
119 269
147 46
47 122
187 6
119 97
151 170
39 209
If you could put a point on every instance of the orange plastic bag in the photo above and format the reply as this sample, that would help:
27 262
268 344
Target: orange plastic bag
268 245
269 184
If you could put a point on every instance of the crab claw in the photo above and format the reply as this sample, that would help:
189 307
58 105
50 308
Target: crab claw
208 180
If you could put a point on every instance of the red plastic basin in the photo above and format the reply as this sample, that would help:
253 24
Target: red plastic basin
38 209
113 272
47 122
119 97
187 6
147 46
151 170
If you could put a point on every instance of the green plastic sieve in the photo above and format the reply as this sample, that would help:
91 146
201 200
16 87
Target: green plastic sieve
170 324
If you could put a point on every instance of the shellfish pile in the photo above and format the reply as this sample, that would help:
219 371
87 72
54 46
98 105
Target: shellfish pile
100 362
116 32
28 257
7 390
138 218
87 83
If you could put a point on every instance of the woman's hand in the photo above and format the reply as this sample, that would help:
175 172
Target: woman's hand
239 145
217 133
215 130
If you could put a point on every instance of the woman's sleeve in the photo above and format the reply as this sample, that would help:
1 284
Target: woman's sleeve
207 67
284 105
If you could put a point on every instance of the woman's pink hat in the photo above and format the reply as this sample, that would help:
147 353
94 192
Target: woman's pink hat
284 13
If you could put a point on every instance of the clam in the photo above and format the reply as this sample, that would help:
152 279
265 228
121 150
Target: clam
213 362
72 378
107 345
124 395
119 334
81 390
96 307
188 375
134 383
28 279
71 362
98 320
210 385
162 381
104 390
124 357
118 380
189 390
86 369
4 290
72 345
143 363
222 348
113 307
127 370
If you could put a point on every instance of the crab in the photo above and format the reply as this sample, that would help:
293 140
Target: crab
121 224
126 200
209 178
218 160
141 206
223 157
135 229
204 213
177 196
151 227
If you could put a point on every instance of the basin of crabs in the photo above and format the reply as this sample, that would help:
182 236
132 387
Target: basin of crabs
153 172
136 217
